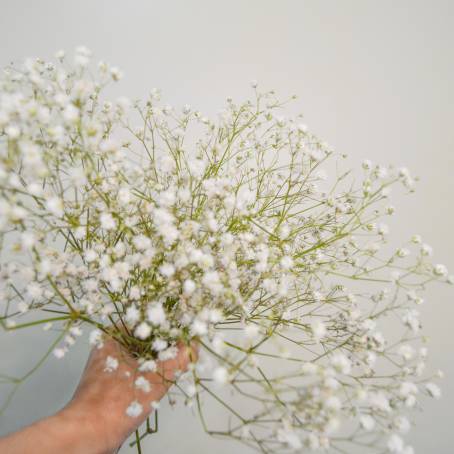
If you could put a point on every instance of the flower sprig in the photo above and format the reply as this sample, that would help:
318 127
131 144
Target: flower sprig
156 225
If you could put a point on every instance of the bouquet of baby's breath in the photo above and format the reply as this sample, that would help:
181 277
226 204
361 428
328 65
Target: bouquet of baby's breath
157 225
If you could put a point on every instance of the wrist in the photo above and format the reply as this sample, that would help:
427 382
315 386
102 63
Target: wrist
67 431
86 433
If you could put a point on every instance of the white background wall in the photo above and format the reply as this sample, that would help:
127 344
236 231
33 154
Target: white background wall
375 79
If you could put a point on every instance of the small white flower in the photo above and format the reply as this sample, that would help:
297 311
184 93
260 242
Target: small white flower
383 229
142 331
69 340
59 352
134 292
111 364
186 109
60 55
159 345
76 331
411 319
143 384
341 363
155 405
395 444
156 314
433 390
148 366
368 324
290 438
90 255
251 331
440 270
95 338
141 242
309 368
35 290
318 329
167 270
108 146
402 252
367 422
13 132
332 403
116 73
220 375
416 239
71 114
107 221
407 392
55 206
168 353
402 424
212 281
406 351
281 121
189 287
17 213
124 196
28 240
379 401
132 315
134 410
23 307
390 210
286 262
199 327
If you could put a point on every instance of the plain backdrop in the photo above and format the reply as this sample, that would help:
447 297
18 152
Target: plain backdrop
374 79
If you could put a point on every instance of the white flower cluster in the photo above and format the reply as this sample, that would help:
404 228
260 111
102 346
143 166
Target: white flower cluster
158 225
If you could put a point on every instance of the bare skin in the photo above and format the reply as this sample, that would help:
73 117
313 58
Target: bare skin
94 421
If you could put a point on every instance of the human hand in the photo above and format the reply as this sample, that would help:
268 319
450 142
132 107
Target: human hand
95 420
102 397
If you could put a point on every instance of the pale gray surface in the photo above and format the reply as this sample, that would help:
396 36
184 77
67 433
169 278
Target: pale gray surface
375 79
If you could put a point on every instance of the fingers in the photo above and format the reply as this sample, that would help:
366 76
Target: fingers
186 355
170 368
164 375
